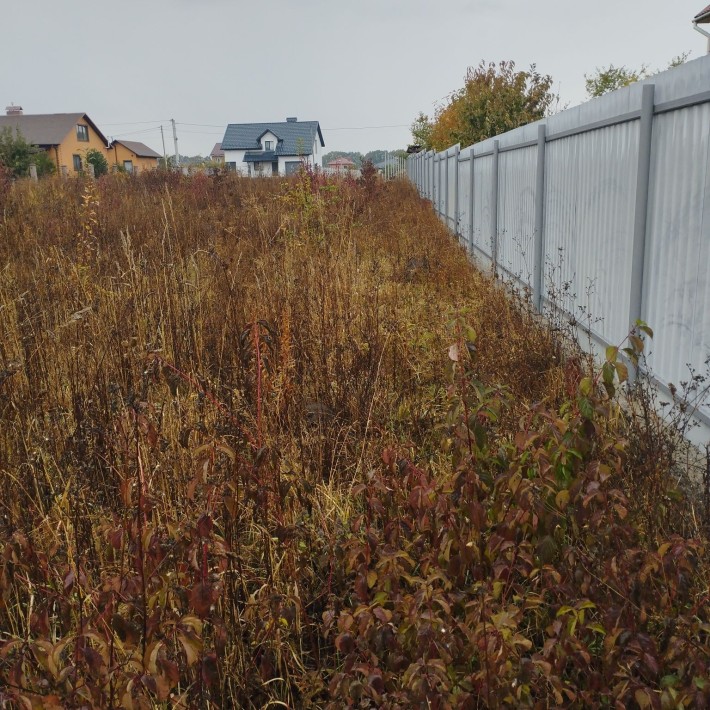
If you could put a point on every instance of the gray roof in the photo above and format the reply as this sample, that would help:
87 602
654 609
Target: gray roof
217 151
294 137
140 149
45 129
261 156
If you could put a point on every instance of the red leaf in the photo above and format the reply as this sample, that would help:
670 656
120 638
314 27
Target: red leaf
204 526
202 597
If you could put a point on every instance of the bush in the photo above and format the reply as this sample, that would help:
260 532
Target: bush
16 154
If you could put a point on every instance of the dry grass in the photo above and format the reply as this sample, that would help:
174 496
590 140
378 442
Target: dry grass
194 373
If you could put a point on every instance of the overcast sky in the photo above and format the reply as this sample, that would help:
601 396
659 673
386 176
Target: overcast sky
353 65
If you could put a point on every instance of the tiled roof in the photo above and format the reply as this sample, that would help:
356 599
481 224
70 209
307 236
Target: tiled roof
217 151
140 149
45 129
703 15
261 156
341 161
295 137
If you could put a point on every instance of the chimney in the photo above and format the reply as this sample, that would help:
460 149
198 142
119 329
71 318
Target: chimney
291 119
13 110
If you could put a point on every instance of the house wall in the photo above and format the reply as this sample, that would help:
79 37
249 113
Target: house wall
119 153
70 146
237 156
269 137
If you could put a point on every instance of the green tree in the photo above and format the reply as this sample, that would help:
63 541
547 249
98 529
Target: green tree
16 154
421 130
611 78
495 98
98 160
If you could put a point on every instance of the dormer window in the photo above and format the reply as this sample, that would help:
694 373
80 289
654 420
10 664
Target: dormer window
268 145
82 132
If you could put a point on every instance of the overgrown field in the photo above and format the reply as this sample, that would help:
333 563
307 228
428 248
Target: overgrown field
277 443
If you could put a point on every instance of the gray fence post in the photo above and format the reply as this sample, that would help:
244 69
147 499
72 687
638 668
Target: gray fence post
456 189
636 305
494 207
446 188
538 244
470 204
33 172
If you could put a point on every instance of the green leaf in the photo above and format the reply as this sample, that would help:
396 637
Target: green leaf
586 386
611 353
585 407
608 373
562 499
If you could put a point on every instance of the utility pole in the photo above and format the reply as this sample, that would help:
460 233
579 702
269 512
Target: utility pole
165 154
177 155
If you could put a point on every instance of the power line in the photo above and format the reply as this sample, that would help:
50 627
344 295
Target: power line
365 128
132 133
135 123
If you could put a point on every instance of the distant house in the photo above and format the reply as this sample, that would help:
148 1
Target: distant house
217 154
342 165
272 148
132 156
64 136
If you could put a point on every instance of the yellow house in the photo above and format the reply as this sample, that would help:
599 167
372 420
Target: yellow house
64 136
132 156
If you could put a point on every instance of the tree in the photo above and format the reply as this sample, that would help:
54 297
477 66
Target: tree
421 131
495 98
16 154
98 160
611 78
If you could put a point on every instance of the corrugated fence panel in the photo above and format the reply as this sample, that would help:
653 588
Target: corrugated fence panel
482 174
464 213
677 273
451 196
591 167
516 212
590 195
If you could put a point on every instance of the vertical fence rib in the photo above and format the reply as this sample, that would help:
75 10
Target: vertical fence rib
456 189
470 205
539 258
446 189
636 305
494 206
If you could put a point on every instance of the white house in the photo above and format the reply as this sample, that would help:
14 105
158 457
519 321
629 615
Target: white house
272 148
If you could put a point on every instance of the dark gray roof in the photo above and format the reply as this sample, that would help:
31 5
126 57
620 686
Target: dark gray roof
295 137
261 156
703 16
47 128
140 149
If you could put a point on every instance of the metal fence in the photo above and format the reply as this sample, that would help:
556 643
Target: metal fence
602 209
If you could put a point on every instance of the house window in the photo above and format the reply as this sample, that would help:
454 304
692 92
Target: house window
268 145
77 162
82 133
257 167
128 166
231 166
